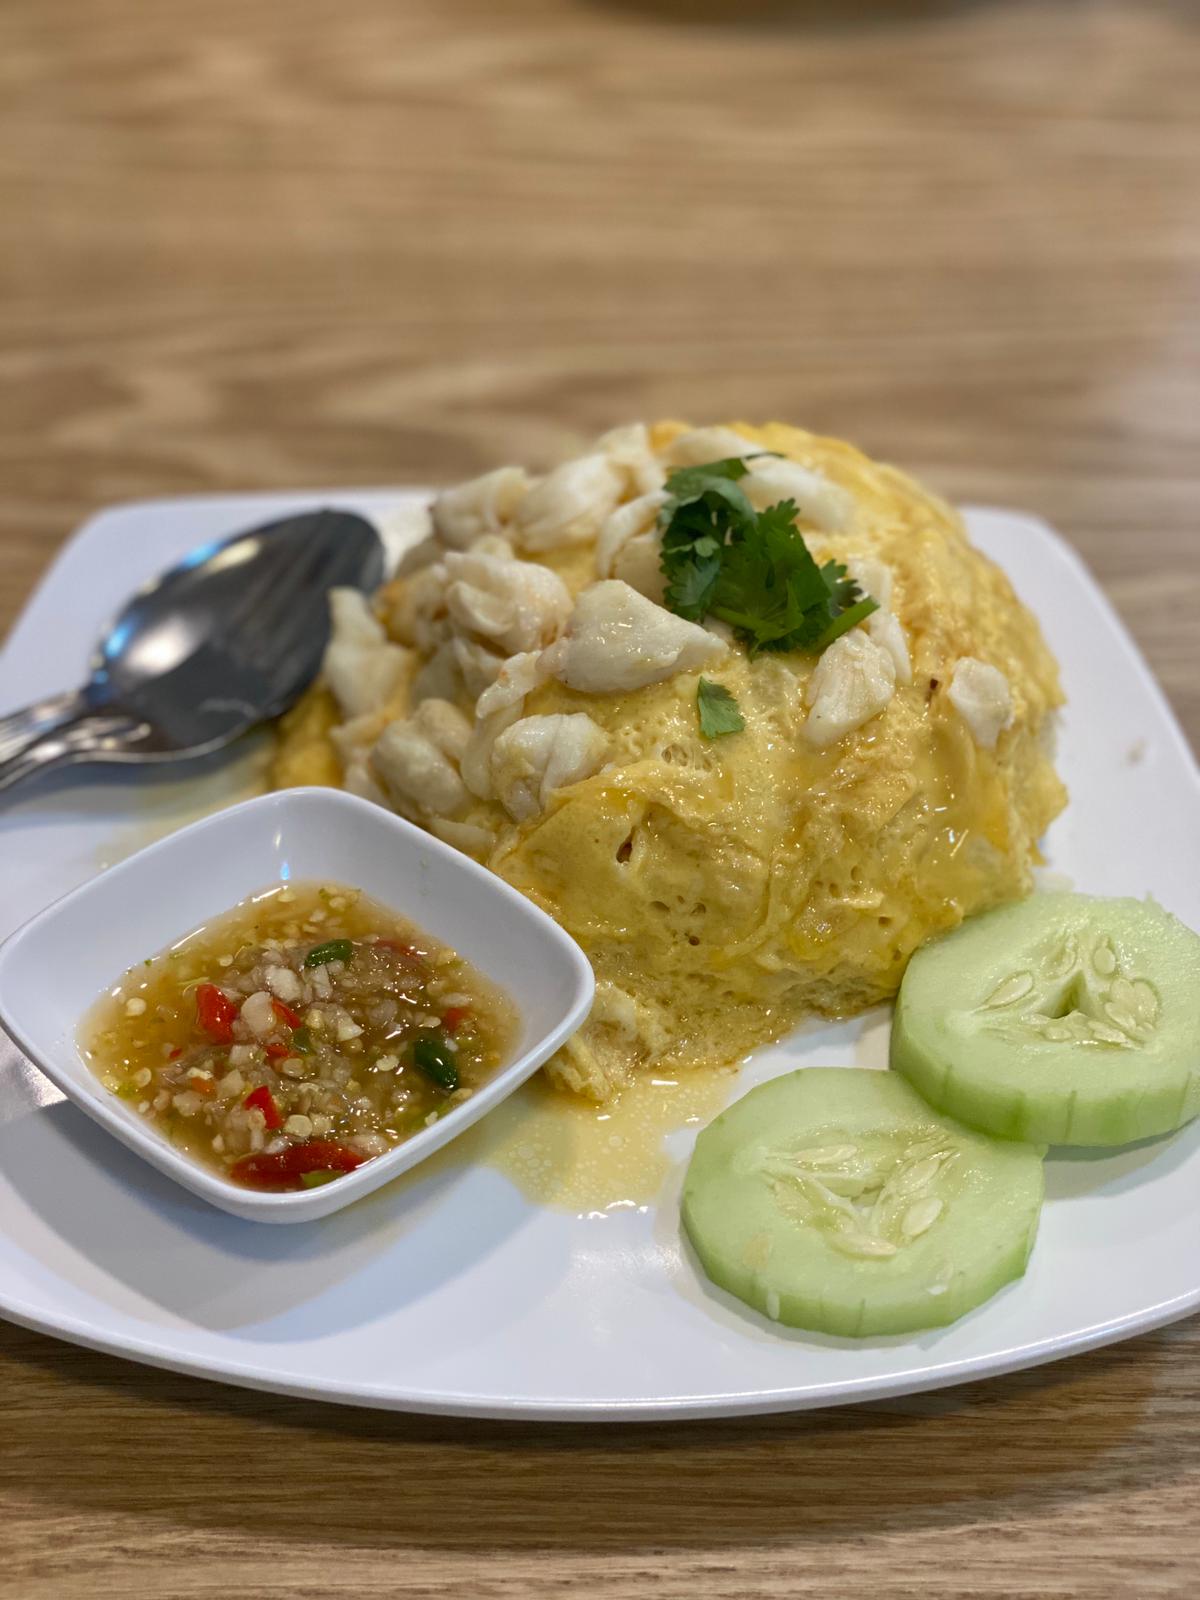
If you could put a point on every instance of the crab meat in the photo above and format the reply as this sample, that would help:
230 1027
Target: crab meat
493 544
406 533
874 578
417 610
445 726
519 676
361 668
352 622
852 682
481 506
517 605
570 504
458 669
701 445
477 665
627 522
357 778
629 448
415 774
982 697
884 628
640 566
817 499
350 738
538 755
416 759
468 837
439 678
618 640
476 765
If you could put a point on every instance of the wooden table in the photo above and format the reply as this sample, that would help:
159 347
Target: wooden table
249 244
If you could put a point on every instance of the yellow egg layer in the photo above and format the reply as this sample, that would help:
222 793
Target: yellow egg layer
726 890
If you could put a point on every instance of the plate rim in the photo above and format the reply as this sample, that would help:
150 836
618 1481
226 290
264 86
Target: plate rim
767 1402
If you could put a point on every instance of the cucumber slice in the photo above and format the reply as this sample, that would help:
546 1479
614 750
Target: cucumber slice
834 1199
1064 1020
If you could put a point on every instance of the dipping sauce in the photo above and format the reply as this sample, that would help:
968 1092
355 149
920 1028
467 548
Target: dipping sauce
306 1031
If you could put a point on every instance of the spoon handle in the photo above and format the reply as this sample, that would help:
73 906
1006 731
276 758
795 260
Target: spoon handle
64 728
19 729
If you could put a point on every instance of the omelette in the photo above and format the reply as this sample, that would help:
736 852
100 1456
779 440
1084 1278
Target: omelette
739 837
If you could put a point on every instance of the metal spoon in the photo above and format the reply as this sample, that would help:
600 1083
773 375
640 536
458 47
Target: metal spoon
226 639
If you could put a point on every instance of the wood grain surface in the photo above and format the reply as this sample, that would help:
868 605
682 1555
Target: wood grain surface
255 243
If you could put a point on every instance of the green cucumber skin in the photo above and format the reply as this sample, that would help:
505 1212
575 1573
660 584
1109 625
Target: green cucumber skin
812 1313
1098 1099
859 1299
1075 1123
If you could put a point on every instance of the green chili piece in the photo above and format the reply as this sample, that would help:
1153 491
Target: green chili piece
314 1180
434 1055
302 1041
333 950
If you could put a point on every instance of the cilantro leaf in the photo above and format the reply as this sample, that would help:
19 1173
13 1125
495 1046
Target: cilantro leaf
690 483
850 618
712 486
750 569
703 508
718 710
770 588
693 580
704 495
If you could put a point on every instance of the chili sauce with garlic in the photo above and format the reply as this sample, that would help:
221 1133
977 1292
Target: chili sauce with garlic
304 1032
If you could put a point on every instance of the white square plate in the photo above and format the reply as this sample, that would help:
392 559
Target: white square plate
450 1292
55 968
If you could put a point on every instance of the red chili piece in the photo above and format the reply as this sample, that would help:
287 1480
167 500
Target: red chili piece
452 1018
285 1013
215 1013
285 1168
175 1055
261 1099
276 1052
